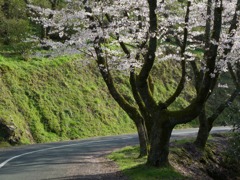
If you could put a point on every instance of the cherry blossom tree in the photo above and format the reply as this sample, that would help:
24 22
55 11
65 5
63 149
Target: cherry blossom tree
52 5
130 36
229 58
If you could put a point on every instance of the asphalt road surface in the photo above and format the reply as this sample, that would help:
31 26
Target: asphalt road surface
63 160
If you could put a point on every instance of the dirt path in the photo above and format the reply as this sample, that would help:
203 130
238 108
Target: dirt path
97 168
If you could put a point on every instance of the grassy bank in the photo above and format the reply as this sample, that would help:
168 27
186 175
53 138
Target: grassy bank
51 100
66 98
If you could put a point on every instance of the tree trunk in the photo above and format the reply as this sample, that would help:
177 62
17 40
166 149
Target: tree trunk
6 9
159 145
143 140
203 131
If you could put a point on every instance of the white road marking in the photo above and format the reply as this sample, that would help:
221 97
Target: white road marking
41 150
68 145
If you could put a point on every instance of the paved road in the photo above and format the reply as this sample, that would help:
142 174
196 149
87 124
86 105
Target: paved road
63 160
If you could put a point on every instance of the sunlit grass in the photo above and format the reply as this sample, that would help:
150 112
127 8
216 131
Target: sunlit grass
136 169
58 99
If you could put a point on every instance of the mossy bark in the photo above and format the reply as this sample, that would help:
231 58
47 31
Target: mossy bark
159 145
203 131
142 139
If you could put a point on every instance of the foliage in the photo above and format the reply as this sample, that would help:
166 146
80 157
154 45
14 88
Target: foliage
233 152
14 27
225 87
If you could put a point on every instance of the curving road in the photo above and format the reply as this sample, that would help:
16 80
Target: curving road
66 160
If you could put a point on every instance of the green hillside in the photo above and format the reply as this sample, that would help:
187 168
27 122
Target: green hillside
64 98
51 100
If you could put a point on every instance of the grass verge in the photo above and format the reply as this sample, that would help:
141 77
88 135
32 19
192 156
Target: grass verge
187 161
136 169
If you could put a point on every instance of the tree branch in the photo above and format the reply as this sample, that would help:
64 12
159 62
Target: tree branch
235 93
211 55
150 56
224 105
183 64
102 64
208 27
234 77
123 46
142 78
196 73
193 110
136 95
143 110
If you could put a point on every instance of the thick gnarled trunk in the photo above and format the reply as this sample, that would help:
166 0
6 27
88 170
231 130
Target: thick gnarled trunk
159 145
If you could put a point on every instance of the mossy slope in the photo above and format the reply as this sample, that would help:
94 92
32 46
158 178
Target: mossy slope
50 100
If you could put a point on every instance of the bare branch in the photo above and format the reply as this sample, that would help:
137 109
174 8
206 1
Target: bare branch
183 64
211 55
224 105
150 56
102 64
